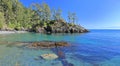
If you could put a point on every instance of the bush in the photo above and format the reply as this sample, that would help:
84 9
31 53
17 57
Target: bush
11 25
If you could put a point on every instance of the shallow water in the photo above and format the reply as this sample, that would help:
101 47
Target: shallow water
96 48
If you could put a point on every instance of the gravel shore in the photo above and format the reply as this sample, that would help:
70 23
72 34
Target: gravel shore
9 32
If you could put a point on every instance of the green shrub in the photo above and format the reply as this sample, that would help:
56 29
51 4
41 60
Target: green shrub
11 25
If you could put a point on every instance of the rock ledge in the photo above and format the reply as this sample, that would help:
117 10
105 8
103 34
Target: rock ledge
48 44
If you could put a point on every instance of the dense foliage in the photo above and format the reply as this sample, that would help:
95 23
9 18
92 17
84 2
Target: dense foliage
14 16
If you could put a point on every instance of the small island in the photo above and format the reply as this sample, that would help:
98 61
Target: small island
38 18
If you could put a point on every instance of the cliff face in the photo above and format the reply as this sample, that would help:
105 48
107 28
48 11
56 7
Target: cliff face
60 27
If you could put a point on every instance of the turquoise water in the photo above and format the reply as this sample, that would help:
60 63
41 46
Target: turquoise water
96 48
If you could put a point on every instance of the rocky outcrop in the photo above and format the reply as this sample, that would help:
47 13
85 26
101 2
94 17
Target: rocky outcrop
48 44
67 28
60 27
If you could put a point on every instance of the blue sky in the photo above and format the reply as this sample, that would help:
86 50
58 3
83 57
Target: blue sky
92 14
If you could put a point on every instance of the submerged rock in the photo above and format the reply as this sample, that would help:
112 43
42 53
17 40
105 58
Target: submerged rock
49 56
48 44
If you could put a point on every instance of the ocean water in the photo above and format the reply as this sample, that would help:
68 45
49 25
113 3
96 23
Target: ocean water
96 48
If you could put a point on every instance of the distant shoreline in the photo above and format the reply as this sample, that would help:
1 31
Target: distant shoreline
10 32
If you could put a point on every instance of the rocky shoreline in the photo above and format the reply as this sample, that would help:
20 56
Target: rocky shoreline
11 32
51 27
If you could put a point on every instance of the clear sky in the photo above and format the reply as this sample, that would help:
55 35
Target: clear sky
92 14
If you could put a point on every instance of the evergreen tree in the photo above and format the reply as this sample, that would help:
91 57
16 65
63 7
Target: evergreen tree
56 14
72 18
